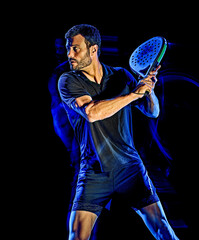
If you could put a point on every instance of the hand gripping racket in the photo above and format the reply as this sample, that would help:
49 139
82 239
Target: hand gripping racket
148 56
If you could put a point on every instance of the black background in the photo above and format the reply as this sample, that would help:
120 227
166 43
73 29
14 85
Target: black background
43 188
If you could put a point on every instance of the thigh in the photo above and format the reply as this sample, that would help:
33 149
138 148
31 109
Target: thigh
93 192
136 189
81 224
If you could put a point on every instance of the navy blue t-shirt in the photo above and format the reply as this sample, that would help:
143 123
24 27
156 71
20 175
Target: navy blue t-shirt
104 144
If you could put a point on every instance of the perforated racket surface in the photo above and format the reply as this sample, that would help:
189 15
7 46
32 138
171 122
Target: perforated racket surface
148 56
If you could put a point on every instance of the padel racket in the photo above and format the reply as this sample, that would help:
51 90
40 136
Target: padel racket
148 56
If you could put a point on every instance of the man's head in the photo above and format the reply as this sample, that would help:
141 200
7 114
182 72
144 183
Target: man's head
82 41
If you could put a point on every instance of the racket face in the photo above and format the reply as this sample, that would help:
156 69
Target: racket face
147 56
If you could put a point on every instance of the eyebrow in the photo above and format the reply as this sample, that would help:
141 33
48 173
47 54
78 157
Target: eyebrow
73 45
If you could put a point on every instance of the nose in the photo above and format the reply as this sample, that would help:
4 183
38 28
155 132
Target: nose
70 53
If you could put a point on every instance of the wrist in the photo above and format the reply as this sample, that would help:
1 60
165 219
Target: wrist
136 95
150 94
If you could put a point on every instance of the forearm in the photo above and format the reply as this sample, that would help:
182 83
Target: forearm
151 107
103 109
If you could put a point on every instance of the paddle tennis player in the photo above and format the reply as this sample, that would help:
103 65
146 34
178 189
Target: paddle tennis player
98 100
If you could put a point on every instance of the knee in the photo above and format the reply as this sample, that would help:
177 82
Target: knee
76 236
80 225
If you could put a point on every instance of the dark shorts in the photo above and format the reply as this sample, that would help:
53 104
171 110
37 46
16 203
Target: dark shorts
95 190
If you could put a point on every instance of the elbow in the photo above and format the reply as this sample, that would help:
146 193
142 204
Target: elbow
152 113
155 113
96 113
90 112
90 118
92 115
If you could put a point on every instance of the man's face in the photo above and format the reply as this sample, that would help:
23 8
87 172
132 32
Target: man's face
78 53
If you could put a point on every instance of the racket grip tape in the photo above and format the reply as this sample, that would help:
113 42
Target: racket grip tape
146 93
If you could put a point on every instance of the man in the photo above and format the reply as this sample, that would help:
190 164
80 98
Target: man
97 98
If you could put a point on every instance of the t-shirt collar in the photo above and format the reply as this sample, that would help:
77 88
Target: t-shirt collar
107 72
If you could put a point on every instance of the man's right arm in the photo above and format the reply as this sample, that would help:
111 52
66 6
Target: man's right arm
99 110
72 94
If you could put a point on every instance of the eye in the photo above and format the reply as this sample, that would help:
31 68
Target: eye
75 49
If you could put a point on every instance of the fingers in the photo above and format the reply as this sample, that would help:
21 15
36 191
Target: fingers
155 72
152 75
150 80
141 89
149 83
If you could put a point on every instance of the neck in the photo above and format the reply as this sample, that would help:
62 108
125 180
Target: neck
94 72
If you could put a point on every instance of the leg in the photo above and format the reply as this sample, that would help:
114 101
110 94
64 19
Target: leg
81 224
156 221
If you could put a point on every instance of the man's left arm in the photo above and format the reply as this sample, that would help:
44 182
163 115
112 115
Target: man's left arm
149 105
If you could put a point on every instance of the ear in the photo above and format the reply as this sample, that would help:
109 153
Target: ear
93 49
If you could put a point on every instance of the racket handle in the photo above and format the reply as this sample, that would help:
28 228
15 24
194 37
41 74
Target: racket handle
146 93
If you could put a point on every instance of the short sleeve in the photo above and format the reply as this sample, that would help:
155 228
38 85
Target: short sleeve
69 89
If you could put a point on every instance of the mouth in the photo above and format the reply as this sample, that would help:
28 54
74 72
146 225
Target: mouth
72 61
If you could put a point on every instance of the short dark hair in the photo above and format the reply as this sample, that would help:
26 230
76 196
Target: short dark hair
89 32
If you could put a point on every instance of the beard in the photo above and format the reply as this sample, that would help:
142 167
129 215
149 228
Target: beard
84 62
